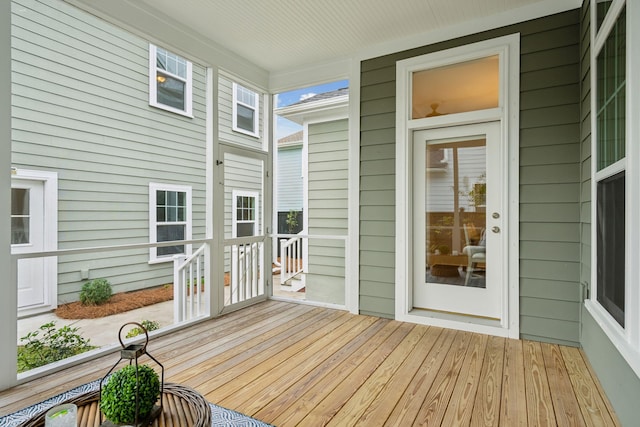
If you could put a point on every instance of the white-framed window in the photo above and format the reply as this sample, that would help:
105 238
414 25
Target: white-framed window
244 213
614 300
170 81
246 111
169 219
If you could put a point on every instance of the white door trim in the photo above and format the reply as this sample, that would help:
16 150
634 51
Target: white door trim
508 48
50 181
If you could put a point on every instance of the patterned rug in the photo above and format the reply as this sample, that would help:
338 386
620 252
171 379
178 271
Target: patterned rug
220 417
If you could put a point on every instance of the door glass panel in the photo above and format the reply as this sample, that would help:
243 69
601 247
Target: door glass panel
20 216
466 86
455 218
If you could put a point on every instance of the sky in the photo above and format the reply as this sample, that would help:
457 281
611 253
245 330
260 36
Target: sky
286 127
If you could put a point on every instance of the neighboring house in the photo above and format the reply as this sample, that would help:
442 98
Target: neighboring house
325 190
290 181
557 115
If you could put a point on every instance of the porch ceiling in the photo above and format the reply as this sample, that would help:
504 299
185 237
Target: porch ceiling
281 35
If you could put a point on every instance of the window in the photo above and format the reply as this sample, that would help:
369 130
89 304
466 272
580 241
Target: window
245 110
20 216
169 219
170 84
244 214
610 159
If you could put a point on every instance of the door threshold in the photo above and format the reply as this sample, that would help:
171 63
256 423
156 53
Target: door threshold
457 321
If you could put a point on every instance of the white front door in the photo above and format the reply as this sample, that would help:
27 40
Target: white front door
34 229
27 236
458 198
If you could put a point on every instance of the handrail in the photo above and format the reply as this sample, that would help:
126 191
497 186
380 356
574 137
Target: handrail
189 270
291 258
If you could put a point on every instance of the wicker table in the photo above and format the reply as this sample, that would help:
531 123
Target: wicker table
182 407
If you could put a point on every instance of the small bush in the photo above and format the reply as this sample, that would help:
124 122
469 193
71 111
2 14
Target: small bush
95 292
55 344
149 325
118 400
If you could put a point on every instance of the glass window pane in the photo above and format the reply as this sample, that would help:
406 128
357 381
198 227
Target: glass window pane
172 198
167 233
160 214
19 230
610 245
245 229
466 86
245 119
602 7
170 91
161 197
19 201
610 99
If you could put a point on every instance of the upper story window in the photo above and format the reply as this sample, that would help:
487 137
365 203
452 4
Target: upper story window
245 110
170 81
169 219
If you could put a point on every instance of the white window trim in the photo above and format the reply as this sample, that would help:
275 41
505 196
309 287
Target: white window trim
153 230
508 47
627 339
153 89
256 108
234 212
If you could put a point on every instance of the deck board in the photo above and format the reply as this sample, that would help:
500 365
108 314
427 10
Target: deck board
297 365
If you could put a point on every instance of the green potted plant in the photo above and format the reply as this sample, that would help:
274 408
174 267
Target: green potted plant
127 388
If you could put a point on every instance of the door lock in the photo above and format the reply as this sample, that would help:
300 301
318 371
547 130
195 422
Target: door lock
495 229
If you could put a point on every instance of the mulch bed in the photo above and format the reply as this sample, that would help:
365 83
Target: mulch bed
118 303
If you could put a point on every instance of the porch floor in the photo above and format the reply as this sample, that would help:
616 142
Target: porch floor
291 364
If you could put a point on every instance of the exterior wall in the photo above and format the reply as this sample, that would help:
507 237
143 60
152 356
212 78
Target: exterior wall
549 177
328 205
81 108
290 179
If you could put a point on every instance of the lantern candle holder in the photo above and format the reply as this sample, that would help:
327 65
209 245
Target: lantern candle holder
118 403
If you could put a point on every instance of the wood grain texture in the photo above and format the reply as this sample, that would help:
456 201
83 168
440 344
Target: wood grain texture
298 365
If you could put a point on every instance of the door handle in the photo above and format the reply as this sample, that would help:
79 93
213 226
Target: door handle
495 229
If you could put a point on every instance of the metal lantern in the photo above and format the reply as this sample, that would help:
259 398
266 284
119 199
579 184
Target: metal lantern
132 353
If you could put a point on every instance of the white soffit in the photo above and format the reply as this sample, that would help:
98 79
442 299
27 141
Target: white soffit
284 35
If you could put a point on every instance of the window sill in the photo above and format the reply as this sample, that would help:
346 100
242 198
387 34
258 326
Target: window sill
172 110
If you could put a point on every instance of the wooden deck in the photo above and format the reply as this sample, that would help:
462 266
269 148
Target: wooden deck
290 364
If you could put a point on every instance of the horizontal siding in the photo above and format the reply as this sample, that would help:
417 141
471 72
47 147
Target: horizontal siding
550 168
81 108
290 180
327 182
225 115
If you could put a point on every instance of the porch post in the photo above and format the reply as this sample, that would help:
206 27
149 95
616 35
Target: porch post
9 301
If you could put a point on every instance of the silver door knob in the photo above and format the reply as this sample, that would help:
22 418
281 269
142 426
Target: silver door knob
495 229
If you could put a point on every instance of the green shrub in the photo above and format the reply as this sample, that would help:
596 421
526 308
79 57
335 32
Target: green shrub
55 344
118 400
149 325
95 292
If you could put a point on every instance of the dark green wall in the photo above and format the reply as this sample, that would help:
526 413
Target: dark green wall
549 176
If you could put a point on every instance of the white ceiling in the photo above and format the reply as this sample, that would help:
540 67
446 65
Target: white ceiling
282 35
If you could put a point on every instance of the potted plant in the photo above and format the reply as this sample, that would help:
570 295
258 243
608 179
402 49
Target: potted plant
130 394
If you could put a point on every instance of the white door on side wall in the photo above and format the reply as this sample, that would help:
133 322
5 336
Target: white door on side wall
458 221
31 233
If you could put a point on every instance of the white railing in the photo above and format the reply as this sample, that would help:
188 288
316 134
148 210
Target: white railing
291 263
246 280
190 282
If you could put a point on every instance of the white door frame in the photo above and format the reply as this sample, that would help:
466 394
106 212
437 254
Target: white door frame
50 238
507 113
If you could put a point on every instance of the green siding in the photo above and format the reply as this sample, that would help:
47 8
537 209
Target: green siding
328 208
290 179
81 108
550 180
